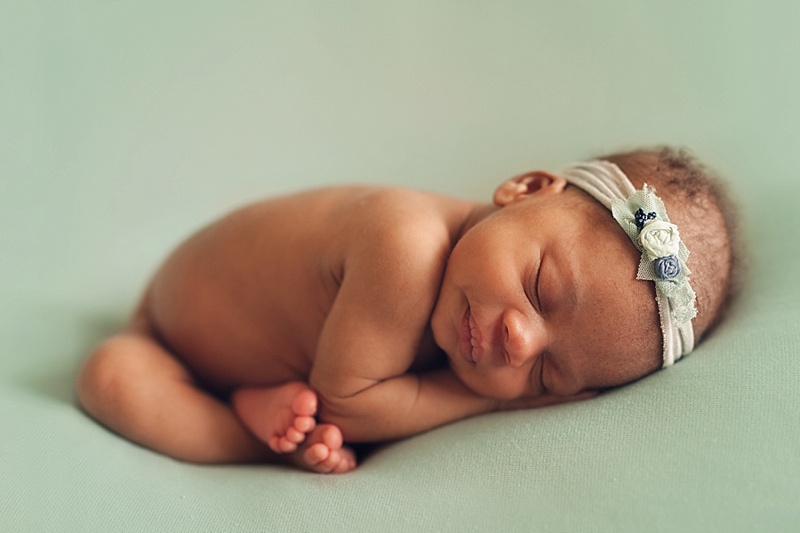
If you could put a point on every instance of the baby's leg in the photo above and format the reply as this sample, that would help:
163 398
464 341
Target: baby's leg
133 385
280 416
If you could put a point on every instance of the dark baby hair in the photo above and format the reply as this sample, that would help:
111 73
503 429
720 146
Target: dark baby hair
700 204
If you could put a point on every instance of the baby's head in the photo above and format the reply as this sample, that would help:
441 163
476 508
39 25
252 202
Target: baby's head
700 206
550 293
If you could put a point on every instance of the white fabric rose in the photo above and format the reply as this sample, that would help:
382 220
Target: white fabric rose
659 239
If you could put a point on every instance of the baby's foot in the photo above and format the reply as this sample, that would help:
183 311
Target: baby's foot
323 452
281 416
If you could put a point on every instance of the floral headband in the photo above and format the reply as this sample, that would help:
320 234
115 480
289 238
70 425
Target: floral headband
642 215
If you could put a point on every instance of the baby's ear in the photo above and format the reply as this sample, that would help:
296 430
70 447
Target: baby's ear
538 182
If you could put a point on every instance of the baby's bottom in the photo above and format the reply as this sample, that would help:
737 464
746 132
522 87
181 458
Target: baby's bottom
136 387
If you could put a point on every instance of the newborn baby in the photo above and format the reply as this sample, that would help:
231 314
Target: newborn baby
296 325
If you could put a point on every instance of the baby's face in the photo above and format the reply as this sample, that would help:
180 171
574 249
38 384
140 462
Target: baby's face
541 297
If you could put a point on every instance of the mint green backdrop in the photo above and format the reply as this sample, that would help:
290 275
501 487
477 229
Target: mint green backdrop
125 125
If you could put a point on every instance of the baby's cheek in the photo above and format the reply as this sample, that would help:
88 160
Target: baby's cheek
559 383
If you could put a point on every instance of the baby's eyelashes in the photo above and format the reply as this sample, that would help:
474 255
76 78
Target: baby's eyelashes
531 288
543 358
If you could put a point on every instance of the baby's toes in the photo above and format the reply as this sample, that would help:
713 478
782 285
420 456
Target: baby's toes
294 436
331 435
305 403
304 424
346 461
285 445
329 465
315 456
323 452
274 444
323 460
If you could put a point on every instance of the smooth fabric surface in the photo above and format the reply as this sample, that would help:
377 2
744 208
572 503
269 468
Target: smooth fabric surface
124 126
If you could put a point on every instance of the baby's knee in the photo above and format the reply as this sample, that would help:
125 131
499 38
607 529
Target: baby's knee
103 379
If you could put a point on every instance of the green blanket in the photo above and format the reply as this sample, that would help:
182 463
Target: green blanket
126 125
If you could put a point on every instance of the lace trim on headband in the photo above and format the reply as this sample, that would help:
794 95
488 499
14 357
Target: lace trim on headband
642 215
644 218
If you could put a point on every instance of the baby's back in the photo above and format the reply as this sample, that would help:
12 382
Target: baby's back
256 283
244 300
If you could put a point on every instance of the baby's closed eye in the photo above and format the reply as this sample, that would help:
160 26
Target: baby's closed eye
532 288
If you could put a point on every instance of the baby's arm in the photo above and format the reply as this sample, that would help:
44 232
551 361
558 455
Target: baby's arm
410 404
402 406
370 339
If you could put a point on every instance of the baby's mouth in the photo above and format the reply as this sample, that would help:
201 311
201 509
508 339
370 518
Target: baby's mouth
466 338
470 338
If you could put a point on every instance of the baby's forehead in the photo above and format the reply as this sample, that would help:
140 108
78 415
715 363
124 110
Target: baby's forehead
575 198
618 312
585 221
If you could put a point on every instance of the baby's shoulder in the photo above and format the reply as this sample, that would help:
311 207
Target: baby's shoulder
400 236
398 244
401 221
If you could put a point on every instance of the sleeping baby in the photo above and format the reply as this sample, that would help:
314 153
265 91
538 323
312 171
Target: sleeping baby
296 326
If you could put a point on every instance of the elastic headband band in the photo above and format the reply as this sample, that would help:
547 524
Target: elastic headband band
642 215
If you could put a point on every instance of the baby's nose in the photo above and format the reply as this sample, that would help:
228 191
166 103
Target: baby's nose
524 337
